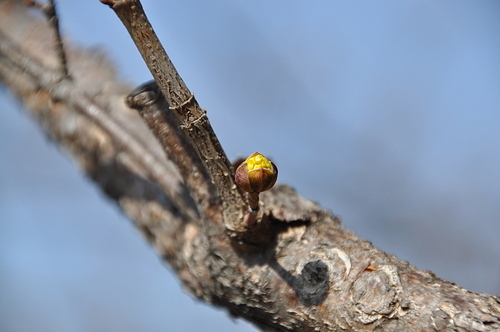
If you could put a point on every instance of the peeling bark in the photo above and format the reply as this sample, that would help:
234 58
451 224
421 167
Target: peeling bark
310 273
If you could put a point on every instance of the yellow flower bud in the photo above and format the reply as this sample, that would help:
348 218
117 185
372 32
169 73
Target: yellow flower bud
256 174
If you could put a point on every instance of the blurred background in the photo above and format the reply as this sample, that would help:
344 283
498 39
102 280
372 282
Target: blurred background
387 113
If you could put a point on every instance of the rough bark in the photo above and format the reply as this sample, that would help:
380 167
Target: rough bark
308 272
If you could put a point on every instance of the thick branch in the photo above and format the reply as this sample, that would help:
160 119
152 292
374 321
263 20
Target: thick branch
313 275
67 91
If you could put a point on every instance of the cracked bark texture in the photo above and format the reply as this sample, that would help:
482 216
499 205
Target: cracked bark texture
312 274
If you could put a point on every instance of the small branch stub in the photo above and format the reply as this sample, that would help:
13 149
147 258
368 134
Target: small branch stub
255 175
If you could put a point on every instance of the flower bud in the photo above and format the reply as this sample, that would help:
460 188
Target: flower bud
256 174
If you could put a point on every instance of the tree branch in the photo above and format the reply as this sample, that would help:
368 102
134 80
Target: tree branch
311 275
190 116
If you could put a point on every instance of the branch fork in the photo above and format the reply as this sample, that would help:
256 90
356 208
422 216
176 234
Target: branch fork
207 170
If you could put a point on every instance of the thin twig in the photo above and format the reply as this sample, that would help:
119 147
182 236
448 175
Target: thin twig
49 10
191 117
133 17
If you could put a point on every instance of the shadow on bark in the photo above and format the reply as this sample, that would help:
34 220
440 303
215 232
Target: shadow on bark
311 285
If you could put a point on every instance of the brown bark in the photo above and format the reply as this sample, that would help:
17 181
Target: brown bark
307 273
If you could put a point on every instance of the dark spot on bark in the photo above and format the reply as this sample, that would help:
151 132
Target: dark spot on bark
313 283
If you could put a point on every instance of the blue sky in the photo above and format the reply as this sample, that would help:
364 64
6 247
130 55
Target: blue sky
387 113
